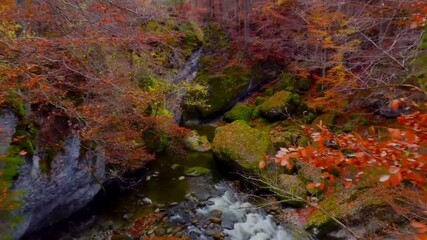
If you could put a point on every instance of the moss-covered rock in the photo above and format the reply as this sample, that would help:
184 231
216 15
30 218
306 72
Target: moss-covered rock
259 101
291 190
349 206
308 172
290 83
280 105
197 143
196 171
242 144
327 119
223 89
288 136
239 112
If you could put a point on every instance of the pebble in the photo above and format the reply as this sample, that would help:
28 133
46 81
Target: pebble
216 220
181 178
148 178
127 216
147 201
157 210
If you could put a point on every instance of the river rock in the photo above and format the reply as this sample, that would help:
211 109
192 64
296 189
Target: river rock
196 171
197 143
147 201
240 143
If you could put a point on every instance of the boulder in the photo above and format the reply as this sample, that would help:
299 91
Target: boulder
288 136
196 171
240 143
291 190
280 105
239 112
354 207
197 143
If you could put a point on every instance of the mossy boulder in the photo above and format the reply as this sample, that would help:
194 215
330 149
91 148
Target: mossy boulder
223 89
239 112
197 143
290 83
259 101
353 122
242 144
350 206
288 136
196 171
291 190
307 172
327 119
280 105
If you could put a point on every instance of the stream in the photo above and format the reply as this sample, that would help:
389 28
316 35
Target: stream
164 202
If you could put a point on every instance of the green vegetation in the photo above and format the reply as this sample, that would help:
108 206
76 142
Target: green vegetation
280 105
239 112
242 144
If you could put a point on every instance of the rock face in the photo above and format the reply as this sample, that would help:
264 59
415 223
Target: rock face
50 196
242 144
8 122
73 181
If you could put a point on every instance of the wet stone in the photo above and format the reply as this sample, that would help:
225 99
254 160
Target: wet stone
216 220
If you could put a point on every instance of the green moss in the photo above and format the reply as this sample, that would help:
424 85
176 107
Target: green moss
288 136
288 82
269 92
223 89
345 205
240 143
280 105
327 119
259 100
291 190
255 113
239 112
196 171
15 100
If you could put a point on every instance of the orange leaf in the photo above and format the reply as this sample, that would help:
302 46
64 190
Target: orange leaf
326 175
395 104
22 153
395 133
410 136
395 179
262 164
372 129
311 186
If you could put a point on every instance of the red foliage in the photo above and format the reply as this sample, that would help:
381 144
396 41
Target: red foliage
401 153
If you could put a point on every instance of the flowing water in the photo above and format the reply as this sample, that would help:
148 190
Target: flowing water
205 207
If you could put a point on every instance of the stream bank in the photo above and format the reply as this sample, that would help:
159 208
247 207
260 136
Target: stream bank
165 200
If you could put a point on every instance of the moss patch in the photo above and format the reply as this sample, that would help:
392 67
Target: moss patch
280 105
223 89
346 205
196 171
240 143
239 112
